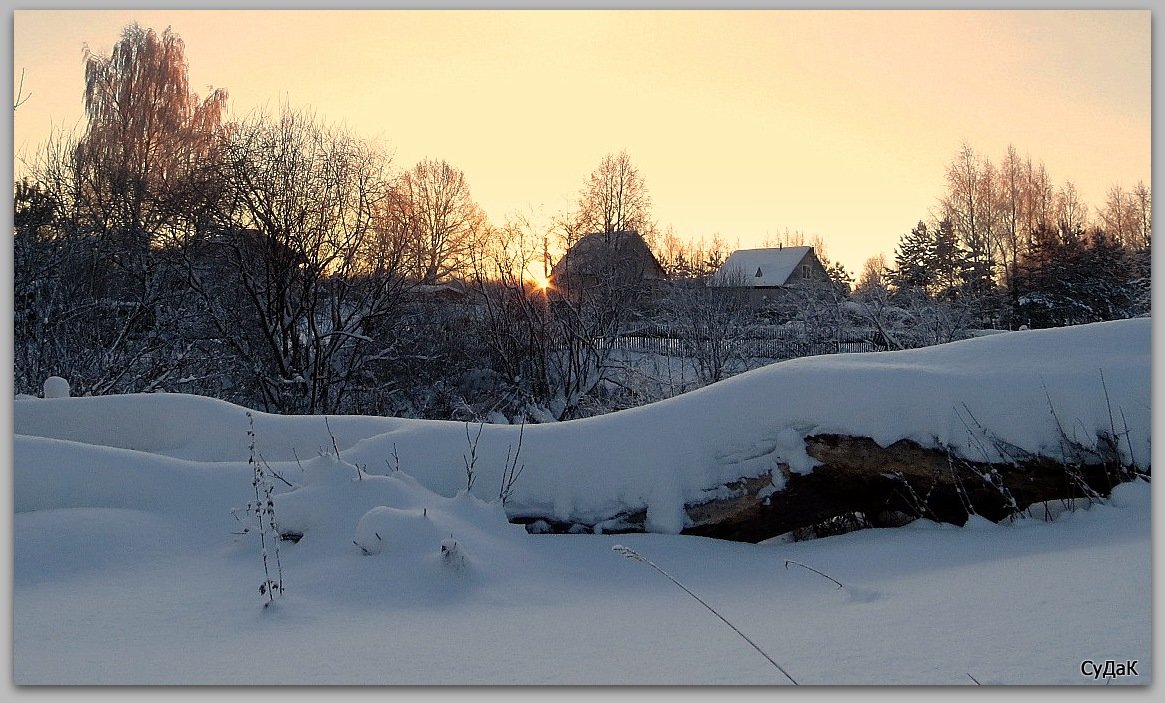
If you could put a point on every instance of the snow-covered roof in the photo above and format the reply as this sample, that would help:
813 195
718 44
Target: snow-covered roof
764 267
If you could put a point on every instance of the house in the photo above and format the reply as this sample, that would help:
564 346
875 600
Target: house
225 251
766 272
606 258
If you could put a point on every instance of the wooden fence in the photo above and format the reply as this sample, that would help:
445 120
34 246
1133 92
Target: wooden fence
780 347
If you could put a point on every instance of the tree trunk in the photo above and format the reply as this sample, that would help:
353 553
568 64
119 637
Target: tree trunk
861 484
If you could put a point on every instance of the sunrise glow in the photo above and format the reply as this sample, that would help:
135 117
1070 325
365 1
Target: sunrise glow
744 124
540 282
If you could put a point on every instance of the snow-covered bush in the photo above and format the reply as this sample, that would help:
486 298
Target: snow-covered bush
452 555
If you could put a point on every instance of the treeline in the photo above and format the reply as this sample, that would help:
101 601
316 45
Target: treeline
285 264
1018 250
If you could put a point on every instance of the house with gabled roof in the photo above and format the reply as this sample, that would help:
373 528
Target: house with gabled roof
606 258
765 273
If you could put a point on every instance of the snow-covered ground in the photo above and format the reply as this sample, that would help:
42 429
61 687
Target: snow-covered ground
131 564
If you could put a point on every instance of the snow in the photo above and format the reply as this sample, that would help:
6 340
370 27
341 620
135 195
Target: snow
775 265
56 387
132 564
970 396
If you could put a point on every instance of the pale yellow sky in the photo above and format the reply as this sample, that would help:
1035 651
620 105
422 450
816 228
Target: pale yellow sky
745 123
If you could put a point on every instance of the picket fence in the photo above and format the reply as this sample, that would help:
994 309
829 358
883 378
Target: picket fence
783 347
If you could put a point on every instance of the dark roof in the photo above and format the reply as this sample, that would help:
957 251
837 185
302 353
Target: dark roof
600 253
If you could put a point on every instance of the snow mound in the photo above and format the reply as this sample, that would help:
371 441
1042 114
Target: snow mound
187 426
131 517
1029 390
414 538
56 387
414 535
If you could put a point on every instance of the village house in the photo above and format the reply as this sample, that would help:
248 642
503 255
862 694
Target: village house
606 259
766 273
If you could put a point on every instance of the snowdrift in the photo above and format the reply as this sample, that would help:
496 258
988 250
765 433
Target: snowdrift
136 558
1023 388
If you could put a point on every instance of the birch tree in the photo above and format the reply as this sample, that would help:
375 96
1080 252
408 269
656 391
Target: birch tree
147 138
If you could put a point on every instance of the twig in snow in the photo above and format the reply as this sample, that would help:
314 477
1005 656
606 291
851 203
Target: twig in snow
1073 459
958 481
511 471
333 437
1132 458
274 472
921 505
790 561
297 461
992 476
1112 439
395 459
632 554
471 460
336 448
265 512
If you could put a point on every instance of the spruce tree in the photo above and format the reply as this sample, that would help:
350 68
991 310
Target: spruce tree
912 260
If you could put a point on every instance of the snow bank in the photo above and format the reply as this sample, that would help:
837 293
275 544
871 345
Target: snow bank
131 564
52 474
1020 388
187 426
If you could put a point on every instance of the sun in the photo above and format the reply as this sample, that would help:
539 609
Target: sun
540 282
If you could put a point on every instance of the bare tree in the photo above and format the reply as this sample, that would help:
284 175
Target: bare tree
431 208
1010 206
1039 204
1071 212
516 325
714 320
126 193
314 278
142 177
1126 214
969 205
787 238
873 274
615 199
877 306
553 343
1143 207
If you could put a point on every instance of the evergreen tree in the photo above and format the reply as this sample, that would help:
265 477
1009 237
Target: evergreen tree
950 266
1072 279
929 259
1107 283
714 258
912 260
839 276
